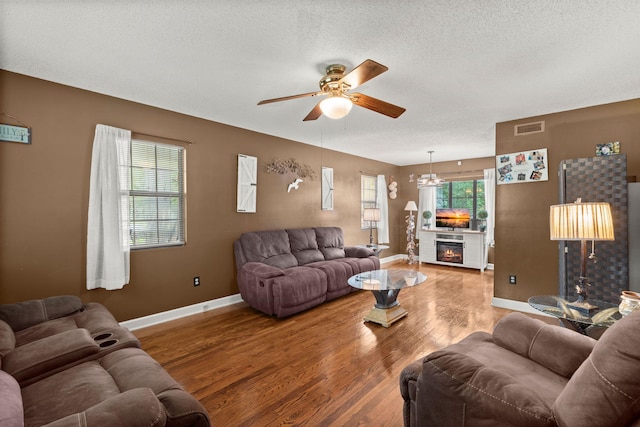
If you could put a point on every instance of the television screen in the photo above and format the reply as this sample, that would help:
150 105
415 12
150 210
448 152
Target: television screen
453 218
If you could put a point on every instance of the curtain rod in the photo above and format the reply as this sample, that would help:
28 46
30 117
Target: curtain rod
461 172
163 137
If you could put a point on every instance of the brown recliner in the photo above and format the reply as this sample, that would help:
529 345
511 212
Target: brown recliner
528 373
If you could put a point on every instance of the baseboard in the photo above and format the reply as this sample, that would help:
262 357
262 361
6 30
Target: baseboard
393 258
165 316
516 305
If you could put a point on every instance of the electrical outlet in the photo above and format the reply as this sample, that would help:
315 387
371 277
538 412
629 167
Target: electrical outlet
512 279
196 281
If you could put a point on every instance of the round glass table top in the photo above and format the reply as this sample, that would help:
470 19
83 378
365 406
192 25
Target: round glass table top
604 313
377 280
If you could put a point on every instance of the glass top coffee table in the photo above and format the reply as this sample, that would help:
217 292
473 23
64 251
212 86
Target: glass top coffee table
592 323
385 286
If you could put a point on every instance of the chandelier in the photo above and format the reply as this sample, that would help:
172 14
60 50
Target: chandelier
430 179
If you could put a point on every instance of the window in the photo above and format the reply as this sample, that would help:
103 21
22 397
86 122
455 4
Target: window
157 195
367 197
462 194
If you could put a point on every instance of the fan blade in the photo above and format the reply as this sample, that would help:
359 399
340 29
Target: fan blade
313 114
377 105
286 98
363 73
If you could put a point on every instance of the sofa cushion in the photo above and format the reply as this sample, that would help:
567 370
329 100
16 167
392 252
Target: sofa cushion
95 318
556 348
481 347
304 245
11 406
23 314
289 296
330 242
49 354
337 275
269 247
360 265
133 408
605 390
464 391
73 390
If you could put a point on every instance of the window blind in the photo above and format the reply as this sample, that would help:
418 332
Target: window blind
156 195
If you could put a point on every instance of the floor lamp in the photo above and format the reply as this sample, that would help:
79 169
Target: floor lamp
411 226
372 215
581 222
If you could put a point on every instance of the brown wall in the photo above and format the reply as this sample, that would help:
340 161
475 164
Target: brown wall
44 195
44 191
523 247
468 169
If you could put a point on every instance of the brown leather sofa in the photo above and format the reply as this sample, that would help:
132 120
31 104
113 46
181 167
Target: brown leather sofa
528 373
64 363
282 272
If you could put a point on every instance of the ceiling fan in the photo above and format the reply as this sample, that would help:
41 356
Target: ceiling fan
337 85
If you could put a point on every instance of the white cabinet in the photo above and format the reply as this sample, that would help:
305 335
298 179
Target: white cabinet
454 248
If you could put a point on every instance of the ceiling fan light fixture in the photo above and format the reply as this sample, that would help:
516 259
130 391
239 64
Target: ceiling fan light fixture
336 107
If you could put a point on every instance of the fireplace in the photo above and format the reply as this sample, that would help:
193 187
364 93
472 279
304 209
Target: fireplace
449 252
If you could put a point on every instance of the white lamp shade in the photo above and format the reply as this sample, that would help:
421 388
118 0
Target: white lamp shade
336 107
581 221
371 214
411 206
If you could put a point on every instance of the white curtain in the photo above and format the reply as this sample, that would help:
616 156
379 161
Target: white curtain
381 203
426 202
490 206
108 221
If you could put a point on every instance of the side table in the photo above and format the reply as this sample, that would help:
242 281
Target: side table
375 248
591 324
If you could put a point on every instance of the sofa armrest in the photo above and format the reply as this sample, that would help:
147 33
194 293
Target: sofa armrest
23 314
357 252
456 385
558 349
183 409
262 271
47 354
409 389
134 408
11 408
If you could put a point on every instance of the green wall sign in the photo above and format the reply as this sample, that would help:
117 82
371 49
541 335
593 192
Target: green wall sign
9 133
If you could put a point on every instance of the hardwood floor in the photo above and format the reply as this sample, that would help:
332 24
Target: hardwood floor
322 367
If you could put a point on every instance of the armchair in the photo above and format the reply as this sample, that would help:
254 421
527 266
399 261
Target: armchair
528 373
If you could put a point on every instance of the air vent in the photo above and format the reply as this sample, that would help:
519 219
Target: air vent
528 128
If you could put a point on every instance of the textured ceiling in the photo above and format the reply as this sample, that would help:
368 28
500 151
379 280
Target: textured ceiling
458 67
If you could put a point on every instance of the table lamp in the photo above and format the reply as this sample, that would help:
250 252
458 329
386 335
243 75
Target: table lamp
581 222
372 215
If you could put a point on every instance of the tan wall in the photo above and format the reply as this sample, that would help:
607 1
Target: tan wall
468 169
44 191
523 247
44 195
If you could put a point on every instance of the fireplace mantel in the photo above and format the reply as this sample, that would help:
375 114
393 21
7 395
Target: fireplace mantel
472 243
